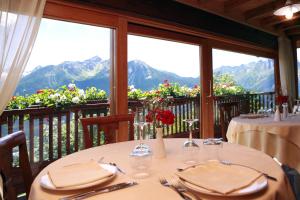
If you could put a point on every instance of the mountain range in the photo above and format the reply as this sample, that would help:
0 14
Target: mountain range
254 76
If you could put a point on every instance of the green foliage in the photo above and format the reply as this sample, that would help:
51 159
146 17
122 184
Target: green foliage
164 90
225 85
93 93
63 97
71 95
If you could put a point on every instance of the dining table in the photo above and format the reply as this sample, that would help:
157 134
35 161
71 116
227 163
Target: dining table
149 188
278 139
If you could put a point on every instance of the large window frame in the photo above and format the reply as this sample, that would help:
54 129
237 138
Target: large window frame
125 24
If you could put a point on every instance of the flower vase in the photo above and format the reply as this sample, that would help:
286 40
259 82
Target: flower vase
159 146
277 116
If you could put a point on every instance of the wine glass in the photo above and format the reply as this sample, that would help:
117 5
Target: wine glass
141 155
141 147
190 148
190 142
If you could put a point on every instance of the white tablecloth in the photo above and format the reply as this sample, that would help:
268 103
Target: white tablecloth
150 188
277 139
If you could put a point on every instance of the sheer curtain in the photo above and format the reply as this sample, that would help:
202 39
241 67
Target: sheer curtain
286 67
19 24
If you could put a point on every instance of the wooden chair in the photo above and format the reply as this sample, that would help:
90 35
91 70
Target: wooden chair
227 112
8 172
108 125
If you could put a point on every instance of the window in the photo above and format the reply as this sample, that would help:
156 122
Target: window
167 68
66 52
67 57
236 73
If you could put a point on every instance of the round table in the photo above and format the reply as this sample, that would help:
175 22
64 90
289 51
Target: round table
150 188
277 139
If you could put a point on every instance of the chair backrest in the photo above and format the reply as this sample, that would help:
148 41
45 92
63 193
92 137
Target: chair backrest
107 124
227 112
7 143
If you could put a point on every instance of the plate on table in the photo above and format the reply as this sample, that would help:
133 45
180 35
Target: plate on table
258 185
46 182
252 116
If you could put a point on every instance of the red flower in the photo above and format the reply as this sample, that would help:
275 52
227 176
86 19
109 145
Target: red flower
195 86
166 83
282 99
165 116
39 91
149 117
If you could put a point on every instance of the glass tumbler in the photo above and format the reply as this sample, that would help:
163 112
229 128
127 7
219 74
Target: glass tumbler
212 148
140 162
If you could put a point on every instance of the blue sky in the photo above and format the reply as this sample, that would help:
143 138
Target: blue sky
59 41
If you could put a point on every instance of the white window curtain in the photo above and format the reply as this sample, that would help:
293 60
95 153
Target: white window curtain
286 68
19 24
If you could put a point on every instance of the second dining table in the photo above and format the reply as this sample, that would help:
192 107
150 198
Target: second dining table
149 188
279 139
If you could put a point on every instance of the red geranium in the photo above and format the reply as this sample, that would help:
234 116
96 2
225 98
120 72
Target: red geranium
166 117
282 99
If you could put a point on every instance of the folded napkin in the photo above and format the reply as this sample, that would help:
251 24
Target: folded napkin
77 174
218 177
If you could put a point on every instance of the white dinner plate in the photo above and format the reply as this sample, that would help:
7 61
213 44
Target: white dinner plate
46 182
256 186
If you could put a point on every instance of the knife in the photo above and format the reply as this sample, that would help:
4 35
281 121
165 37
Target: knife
101 190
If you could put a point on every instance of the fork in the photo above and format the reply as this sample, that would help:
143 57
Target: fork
165 183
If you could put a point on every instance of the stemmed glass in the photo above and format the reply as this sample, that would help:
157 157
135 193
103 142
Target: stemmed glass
141 148
190 142
190 148
141 155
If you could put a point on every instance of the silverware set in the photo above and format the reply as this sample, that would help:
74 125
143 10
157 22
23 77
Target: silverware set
100 190
175 187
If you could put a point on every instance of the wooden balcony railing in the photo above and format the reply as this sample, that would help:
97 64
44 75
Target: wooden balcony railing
249 103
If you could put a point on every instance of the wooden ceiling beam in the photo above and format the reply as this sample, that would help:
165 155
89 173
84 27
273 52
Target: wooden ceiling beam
293 31
264 10
232 4
288 25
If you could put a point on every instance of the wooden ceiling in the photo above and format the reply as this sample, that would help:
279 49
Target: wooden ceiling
256 13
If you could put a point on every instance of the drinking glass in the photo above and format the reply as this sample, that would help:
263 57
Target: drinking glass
190 148
212 148
141 155
140 123
140 162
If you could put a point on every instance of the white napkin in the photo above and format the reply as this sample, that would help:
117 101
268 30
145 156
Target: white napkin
77 174
218 177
